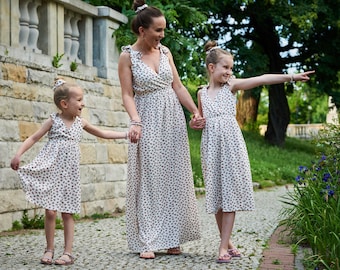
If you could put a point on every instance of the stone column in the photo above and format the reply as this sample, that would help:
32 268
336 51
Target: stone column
105 52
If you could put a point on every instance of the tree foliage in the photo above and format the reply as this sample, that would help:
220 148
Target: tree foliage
269 36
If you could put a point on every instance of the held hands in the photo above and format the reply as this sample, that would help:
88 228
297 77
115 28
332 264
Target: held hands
135 133
197 122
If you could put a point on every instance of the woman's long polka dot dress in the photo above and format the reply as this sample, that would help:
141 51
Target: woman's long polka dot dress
52 179
161 208
225 163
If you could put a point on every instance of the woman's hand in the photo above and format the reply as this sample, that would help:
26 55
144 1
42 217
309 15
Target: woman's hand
135 133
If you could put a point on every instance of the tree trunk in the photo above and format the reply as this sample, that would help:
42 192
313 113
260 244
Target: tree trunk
278 115
246 109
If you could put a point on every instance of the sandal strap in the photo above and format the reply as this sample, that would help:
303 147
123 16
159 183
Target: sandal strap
69 255
65 261
48 257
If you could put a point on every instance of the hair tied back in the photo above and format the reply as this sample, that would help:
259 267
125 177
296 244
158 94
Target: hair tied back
139 9
58 83
211 49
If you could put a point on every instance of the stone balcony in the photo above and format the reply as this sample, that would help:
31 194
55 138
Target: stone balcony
37 31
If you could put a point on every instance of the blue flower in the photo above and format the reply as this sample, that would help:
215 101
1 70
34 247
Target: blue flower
299 178
330 192
326 176
303 169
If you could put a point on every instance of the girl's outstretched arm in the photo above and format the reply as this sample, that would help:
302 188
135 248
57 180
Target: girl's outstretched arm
267 79
106 134
29 142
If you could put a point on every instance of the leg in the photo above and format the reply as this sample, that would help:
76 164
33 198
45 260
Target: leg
68 231
50 217
67 258
225 223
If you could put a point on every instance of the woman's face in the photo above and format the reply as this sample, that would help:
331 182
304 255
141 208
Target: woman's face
154 34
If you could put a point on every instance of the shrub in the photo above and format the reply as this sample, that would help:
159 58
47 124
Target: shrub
313 207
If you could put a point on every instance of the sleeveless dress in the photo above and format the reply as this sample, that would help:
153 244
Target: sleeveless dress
224 156
161 209
52 179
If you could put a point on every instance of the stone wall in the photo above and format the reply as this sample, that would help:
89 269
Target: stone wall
26 101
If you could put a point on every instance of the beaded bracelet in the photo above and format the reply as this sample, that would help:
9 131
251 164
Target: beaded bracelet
136 123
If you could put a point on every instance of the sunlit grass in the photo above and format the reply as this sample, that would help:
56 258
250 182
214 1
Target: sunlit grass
270 165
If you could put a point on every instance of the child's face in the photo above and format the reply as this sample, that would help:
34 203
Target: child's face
75 103
223 69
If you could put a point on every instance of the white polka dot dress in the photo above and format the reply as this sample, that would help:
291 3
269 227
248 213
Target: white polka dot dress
52 179
161 208
225 163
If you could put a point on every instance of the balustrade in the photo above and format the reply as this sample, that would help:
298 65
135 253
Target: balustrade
30 28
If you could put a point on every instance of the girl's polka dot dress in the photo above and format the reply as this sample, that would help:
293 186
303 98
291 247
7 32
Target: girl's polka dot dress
161 208
224 156
52 179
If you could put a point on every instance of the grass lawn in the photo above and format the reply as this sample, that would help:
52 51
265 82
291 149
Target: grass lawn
270 165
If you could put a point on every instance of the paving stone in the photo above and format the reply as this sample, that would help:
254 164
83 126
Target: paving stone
101 244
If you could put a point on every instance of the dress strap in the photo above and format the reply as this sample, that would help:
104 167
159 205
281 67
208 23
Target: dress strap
126 48
53 116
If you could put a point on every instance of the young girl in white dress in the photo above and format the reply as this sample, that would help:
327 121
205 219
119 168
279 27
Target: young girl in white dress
52 179
225 163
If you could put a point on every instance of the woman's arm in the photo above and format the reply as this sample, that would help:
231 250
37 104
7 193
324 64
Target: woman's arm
196 124
125 78
181 92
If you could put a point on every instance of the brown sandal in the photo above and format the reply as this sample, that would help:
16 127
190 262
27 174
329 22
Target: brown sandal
62 261
47 259
174 251
234 252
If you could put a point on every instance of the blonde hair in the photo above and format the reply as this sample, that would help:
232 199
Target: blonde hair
61 91
214 53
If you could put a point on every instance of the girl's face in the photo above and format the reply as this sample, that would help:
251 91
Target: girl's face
154 34
222 70
75 103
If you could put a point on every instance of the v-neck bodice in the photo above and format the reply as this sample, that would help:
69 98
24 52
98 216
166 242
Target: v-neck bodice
145 79
224 103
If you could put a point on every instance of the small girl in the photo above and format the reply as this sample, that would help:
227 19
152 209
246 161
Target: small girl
52 180
225 163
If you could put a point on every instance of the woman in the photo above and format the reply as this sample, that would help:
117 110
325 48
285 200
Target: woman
161 206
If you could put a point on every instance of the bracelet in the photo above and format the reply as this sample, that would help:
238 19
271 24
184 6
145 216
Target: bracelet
292 78
136 123
126 134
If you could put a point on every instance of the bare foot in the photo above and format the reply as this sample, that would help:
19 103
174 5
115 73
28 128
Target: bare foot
147 255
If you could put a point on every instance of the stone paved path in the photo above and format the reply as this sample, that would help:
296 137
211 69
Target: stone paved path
102 244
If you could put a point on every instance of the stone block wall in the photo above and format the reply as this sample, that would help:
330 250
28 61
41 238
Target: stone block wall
26 101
